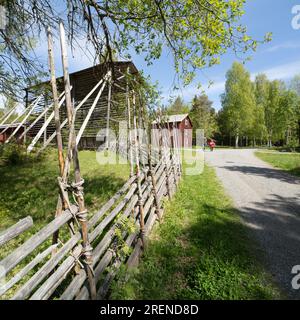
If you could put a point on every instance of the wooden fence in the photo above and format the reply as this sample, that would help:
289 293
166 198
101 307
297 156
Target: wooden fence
39 269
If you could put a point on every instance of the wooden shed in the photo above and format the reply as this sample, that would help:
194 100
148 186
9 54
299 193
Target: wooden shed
7 130
184 126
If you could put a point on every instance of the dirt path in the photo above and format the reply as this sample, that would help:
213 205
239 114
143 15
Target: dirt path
269 202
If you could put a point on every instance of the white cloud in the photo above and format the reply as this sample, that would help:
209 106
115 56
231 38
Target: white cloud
189 92
285 45
283 72
81 57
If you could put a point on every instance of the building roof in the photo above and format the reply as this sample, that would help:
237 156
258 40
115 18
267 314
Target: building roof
14 125
97 71
174 118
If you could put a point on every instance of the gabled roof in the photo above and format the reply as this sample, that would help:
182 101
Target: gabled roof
174 118
97 71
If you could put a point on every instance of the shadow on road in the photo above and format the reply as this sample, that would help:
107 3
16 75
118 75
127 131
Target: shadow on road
276 223
264 172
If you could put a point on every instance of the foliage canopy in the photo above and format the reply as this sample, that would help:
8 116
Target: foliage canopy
197 32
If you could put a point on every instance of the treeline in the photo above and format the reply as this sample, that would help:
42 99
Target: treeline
254 113
201 112
261 112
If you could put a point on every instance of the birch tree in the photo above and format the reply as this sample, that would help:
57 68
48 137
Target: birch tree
271 109
238 101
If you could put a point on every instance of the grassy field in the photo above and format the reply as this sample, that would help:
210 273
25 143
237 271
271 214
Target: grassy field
31 189
289 162
200 251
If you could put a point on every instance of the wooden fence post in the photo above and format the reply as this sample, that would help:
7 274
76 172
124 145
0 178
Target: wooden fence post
78 185
130 155
108 110
138 171
149 153
61 162
164 155
172 154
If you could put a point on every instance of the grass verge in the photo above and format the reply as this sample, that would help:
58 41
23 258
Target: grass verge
200 251
289 162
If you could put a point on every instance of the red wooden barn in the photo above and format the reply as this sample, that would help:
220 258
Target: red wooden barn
7 129
183 123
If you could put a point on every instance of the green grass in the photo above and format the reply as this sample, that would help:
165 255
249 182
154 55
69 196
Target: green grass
200 251
31 189
289 162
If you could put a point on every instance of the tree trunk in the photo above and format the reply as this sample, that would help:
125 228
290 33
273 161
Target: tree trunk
299 131
237 141
269 143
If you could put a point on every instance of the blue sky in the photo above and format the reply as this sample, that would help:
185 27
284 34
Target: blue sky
279 59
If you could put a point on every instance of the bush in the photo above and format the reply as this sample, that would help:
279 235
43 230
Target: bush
293 144
14 154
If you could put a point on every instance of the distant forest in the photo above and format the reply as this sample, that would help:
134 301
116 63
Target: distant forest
254 113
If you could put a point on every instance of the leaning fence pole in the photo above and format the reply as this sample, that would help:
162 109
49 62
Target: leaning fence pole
59 142
78 185
149 154
92 108
163 151
13 121
65 121
25 118
8 114
108 111
172 153
130 155
41 131
138 171
38 118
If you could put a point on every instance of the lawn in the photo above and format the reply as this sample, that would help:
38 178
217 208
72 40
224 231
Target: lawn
31 189
200 251
289 162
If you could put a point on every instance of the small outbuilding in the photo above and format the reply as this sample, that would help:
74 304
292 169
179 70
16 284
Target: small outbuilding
184 126
7 129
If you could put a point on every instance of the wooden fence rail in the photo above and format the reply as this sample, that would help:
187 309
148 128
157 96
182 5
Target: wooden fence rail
40 270
15 230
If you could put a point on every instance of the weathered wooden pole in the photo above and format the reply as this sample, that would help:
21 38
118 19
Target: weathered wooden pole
138 170
176 151
149 153
130 155
73 155
45 118
179 152
173 164
108 111
55 101
60 203
163 149
8 114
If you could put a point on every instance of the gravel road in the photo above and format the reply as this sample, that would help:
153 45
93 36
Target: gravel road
269 202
